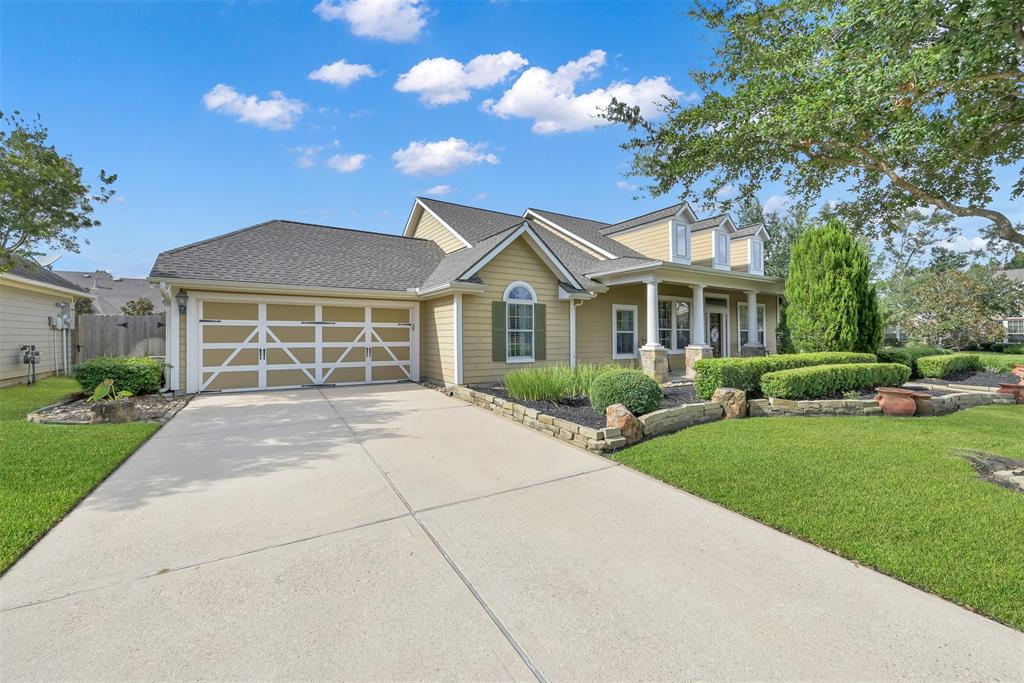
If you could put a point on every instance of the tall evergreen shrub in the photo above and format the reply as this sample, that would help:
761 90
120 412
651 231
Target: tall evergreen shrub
831 303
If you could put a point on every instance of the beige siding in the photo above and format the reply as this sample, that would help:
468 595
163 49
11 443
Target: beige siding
429 228
739 254
516 262
700 246
24 321
652 241
437 340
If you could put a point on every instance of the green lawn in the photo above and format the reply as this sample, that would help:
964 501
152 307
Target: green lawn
46 469
1003 361
882 491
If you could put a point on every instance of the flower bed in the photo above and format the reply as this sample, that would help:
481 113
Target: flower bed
155 408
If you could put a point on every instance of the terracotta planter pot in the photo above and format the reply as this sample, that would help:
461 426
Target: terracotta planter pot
896 402
1015 390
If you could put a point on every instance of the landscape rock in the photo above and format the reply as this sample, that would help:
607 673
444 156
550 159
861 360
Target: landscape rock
733 402
116 411
617 416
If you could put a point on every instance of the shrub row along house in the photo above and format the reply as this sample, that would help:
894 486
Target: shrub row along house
463 296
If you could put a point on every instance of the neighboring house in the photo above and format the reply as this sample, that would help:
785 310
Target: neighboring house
112 293
463 296
1014 326
36 309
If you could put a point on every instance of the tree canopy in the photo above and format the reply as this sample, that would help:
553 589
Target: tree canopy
140 306
904 103
43 200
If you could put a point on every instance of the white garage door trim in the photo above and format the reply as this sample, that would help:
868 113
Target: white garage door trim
318 373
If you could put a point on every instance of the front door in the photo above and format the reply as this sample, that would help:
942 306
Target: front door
716 333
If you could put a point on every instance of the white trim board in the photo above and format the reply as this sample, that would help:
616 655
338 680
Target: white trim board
420 205
538 245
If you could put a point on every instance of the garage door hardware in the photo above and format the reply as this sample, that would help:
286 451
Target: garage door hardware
208 320
317 322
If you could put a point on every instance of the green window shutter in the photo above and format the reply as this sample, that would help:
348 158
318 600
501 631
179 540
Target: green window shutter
498 330
540 331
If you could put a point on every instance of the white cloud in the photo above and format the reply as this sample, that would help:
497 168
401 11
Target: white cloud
396 21
346 163
727 192
307 156
623 185
341 73
277 113
438 190
443 156
550 99
480 195
776 204
444 81
962 244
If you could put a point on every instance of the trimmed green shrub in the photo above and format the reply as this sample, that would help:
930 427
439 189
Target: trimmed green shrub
1014 348
745 373
554 382
831 303
632 388
944 366
821 381
137 374
907 355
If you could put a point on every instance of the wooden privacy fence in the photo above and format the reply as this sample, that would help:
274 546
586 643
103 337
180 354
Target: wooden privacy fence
119 335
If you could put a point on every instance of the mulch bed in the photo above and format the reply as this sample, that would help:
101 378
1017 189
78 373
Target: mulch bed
580 411
155 407
977 379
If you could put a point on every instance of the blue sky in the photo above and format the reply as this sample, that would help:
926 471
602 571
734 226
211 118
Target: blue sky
179 100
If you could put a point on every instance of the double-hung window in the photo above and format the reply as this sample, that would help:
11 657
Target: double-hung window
680 241
673 324
721 249
1015 330
757 257
519 323
624 331
744 329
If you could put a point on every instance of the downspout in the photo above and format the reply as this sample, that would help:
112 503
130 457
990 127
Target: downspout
573 304
169 309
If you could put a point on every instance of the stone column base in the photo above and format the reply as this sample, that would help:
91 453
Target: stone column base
654 362
749 350
695 353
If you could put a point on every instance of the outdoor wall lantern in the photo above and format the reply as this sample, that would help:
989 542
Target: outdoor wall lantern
182 298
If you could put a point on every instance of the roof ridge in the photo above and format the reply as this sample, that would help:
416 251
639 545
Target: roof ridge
569 215
612 225
466 206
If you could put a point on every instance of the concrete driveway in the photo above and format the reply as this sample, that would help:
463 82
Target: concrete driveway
394 533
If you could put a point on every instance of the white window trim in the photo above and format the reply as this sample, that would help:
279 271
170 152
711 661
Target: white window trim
685 257
714 251
509 358
741 322
673 348
615 330
750 257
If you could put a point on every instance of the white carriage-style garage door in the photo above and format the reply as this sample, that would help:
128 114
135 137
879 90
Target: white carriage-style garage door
278 343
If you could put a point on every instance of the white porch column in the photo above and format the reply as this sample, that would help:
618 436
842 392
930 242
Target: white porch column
697 323
572 333
753 345
652 316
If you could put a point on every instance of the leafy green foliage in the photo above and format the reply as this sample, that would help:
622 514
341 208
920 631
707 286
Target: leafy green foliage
831 304
823 381
554 382
137 374
944 366
905 103
140 306
907 355
632 388
43 200
745 373
1001 362
104 391
84 307
882 492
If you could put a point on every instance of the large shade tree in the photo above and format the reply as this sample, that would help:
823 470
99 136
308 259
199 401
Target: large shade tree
904 103
43 198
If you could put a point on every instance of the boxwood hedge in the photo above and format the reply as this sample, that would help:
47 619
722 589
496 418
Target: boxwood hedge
944 366
745 373
137 374
822 381
908 355
632 388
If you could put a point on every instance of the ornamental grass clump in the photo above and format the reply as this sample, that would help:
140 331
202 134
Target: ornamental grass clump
632 388
554 382
944 366
824 381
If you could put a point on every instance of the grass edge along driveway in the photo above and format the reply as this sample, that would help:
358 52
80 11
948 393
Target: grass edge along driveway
45 470
884 492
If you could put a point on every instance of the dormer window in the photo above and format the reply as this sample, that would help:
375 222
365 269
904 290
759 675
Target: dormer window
756 257
680 241
720 257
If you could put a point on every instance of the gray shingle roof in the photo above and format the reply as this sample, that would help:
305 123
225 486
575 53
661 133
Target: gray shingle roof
111 293
472 223
36 273
612 265
667 212
588 229
707 223
289 253
746 231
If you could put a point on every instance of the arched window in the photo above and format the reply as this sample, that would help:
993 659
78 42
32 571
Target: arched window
519 322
